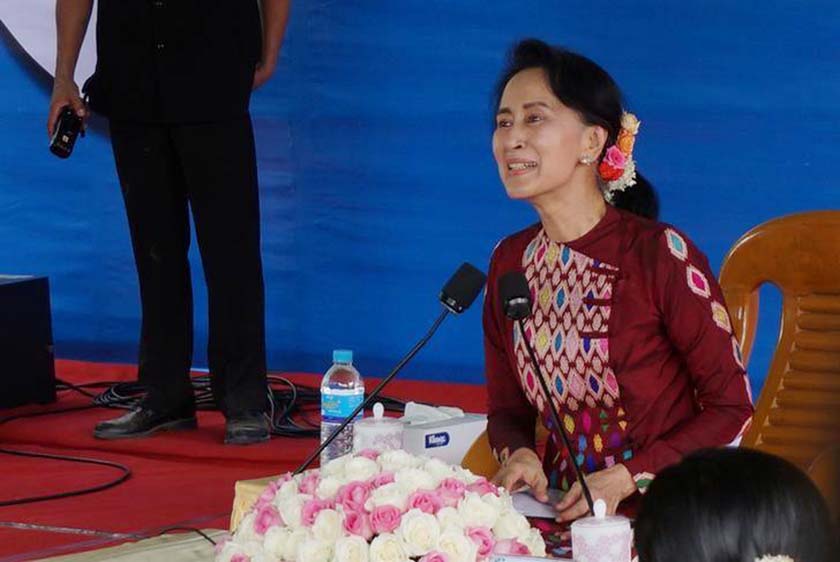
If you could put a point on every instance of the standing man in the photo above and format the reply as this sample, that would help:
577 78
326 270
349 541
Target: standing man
174 78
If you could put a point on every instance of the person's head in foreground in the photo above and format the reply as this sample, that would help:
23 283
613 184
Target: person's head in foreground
734 505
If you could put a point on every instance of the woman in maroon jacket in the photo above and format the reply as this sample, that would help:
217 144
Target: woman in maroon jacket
629 325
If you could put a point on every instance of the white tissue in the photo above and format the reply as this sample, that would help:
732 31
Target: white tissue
421 413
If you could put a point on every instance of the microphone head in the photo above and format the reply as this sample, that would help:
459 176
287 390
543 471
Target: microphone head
515 295
462 288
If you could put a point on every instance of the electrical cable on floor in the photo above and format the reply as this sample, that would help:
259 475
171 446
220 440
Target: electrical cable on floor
285 401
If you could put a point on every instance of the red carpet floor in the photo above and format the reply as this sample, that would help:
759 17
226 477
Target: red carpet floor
183 478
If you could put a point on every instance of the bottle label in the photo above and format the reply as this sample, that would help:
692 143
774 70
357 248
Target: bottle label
338 404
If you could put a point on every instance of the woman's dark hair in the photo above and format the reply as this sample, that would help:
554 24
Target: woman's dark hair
582 85
733 505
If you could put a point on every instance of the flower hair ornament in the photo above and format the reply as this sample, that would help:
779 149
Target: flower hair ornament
618 169
775 558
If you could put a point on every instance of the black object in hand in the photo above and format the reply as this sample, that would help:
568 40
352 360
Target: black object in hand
67 128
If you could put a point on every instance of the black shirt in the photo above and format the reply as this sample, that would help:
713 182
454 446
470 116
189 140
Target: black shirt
175 61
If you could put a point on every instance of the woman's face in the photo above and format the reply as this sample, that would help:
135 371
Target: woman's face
538 141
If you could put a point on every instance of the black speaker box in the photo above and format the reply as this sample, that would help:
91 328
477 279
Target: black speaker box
27 370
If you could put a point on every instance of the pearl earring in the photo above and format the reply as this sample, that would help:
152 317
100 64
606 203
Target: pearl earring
586 160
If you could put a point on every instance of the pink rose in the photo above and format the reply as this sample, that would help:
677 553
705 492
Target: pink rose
239 557
267 495
352 496
310 510
511 546
435 556
483 486
309 483
381 479
371 454
615 158
483 539
267 517
358 523
385 519
425 501
451 491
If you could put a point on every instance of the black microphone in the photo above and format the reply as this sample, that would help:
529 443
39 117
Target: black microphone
515 296
456 296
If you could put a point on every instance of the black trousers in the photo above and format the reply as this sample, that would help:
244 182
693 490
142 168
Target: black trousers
210 168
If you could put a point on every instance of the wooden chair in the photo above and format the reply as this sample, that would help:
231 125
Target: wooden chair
798 413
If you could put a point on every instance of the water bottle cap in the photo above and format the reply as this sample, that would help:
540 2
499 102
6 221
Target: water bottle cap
342 356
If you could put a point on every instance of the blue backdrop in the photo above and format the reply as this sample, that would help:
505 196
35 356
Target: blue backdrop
377 179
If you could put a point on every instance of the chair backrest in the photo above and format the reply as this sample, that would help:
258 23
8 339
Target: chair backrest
798 413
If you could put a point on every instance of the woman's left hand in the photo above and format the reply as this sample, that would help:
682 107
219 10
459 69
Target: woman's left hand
611 485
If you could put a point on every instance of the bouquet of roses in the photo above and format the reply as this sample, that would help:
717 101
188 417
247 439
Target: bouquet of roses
389 507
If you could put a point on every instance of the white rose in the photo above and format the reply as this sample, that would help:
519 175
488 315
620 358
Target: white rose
535 542
475 512
499 503
396 459
290 509
457 547
335 467
449 518
287 490
328 487
419 531
314 550
351 549
327 526
388 547
413 479
464 475
275 540
438 468
360 468
389 494
295 538
511 525
245 531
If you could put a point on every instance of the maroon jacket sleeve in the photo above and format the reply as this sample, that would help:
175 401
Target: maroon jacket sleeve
510 416
696 321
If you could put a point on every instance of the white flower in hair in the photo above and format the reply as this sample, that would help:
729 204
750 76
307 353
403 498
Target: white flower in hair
775 558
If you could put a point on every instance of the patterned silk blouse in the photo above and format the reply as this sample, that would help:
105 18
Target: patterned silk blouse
632 334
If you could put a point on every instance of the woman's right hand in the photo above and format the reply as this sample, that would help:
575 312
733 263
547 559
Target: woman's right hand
65 93
523 468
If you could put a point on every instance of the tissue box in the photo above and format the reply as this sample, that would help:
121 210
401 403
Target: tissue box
448 440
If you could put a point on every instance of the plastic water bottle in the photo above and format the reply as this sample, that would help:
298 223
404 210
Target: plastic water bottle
342 390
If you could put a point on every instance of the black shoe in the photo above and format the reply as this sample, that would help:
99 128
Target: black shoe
141 422
247 428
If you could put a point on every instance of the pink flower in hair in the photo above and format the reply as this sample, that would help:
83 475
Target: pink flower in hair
425 501
385 518
511 546
615 158
483 539
352 496
267 516
309 483
358 523
451 491
239 557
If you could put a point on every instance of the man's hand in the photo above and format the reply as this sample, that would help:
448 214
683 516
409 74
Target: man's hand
611 485
263 72
523 468
65 92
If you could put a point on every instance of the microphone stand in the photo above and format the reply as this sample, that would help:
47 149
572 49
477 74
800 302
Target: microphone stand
555 416
373 395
